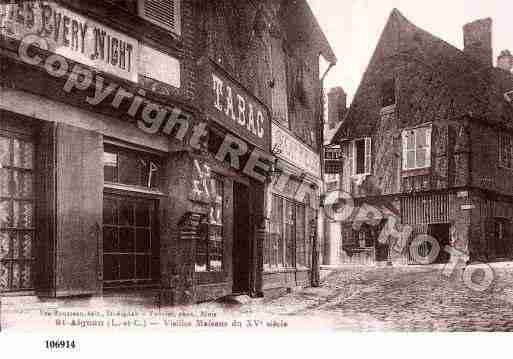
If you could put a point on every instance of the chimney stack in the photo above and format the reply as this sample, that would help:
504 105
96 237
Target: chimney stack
477 39
337 106
505 61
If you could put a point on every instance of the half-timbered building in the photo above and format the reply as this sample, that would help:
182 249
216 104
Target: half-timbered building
426 144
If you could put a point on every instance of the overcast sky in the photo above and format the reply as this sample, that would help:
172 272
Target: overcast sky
353 28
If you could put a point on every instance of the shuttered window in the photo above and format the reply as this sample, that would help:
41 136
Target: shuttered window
165 13
416 148
362 156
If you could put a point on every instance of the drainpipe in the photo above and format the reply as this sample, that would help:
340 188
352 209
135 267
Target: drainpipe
315 255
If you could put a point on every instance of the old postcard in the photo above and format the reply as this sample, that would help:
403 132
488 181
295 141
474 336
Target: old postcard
254 166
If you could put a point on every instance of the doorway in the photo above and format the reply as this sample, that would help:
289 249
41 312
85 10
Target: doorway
441 232
242 235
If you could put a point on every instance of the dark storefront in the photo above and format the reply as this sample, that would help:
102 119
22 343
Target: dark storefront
96 199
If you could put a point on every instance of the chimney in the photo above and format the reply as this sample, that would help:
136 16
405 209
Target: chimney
337 106
505 61
477 39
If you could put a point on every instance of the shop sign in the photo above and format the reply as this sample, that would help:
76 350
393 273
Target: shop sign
294 151
73 36
232 106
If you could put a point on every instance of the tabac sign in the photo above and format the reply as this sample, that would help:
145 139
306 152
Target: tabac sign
232 106
294 151
72 35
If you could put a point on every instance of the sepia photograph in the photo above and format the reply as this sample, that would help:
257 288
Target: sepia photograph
255 167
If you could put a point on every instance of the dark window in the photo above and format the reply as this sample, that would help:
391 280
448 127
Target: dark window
388 93
506 151
210 248
129 241
132 168
360 156
502 243
17 230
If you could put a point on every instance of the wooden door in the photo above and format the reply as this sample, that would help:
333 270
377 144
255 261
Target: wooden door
79 193
242 235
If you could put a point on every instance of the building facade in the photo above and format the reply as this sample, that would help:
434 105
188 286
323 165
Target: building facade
426 151
137 145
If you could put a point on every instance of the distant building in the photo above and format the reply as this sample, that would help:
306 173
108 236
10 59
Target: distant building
336 110
428 142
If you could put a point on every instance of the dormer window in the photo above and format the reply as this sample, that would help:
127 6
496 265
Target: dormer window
388 93
164 13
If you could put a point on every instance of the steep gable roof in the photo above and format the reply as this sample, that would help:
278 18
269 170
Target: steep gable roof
436 81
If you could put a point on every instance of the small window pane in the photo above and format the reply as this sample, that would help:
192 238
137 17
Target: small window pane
421 158
421 137
4 182
410 159
110 165
110 240
5 151
143 241
23 154
126 240
126 213
410 140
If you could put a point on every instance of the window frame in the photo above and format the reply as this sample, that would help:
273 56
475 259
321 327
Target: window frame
151 155
276 255
207 226
14 230
501 152
367 165
405 149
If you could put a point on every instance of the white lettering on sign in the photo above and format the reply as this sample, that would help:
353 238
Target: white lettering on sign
73 36
241 112
295 152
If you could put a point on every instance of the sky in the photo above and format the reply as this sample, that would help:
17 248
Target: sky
353 28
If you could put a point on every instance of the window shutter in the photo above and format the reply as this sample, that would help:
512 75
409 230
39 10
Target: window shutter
79 209
405 149
428 149
368 155
165 13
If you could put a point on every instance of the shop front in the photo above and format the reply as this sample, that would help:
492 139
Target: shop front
218 212
291 248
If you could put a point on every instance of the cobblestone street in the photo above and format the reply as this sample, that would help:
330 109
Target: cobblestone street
400 299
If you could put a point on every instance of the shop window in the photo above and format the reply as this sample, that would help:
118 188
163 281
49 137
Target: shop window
388 93
287 246
129 241
416 148
289 225
362 156
506 151
17 227
164 13
210 248
301 239
132 168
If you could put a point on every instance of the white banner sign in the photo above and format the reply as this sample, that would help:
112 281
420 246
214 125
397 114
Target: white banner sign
294 151
72 36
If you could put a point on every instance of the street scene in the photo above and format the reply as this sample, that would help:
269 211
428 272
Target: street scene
251 165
